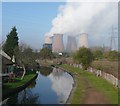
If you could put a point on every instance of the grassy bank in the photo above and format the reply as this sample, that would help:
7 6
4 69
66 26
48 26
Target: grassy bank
78 94
16 83
110 67
98 83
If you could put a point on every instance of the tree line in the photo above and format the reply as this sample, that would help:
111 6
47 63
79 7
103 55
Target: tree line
86 56
23 53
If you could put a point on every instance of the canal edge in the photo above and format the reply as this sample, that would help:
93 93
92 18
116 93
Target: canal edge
73 86
18 89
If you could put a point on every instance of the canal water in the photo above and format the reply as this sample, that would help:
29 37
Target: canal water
52 86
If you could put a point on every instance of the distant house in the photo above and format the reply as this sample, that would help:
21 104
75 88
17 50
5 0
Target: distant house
6 62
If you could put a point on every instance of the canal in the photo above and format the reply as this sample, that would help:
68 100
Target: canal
52 86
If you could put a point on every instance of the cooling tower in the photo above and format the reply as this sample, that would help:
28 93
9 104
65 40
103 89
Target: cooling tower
48 40
48 43
82 40
71 44
57 45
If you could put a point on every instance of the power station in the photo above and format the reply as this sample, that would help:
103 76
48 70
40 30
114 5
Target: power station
71 44
48 46
82 40
48 43
55 43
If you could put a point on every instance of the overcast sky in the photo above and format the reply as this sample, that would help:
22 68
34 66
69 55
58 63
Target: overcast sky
35 20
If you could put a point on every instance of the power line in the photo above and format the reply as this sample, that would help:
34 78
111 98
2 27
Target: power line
112 39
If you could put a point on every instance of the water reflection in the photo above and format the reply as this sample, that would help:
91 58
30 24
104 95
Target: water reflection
13 100
57 73
61 83
27 97
50 87
32 85
45 71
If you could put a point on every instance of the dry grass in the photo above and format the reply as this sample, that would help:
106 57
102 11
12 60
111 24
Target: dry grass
110 67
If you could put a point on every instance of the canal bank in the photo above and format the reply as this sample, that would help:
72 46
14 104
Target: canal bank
87 85
18 89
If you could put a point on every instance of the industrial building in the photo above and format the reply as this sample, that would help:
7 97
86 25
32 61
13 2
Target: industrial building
57 43
48 46
71 44
48 43
82 40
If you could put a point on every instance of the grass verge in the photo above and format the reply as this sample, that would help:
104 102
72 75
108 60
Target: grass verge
98 83
17 82
78 93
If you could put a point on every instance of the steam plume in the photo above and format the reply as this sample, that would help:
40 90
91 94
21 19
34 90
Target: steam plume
94 18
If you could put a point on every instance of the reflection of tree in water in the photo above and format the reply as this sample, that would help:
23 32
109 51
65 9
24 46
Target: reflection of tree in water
27 97
57 73
32 85
24 97
45 71
13 100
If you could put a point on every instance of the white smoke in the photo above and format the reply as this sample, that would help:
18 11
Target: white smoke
94 18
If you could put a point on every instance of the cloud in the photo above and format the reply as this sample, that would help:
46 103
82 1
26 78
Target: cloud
61 84
94 18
